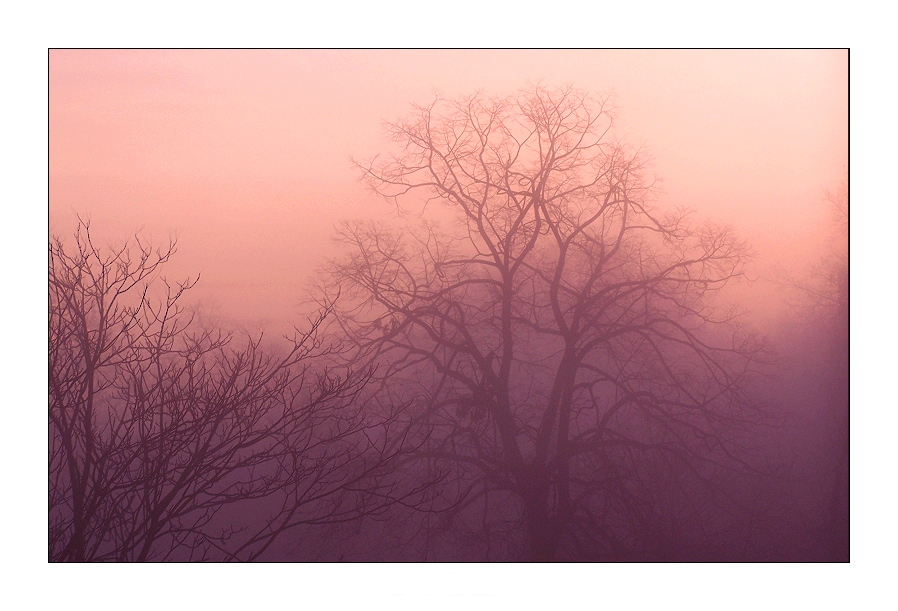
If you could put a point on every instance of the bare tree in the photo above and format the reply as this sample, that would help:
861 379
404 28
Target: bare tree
168 440
822 307
824 290
558 343
837 280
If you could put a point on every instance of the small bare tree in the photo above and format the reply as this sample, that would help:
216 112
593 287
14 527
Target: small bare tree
559 343
822 306
169 440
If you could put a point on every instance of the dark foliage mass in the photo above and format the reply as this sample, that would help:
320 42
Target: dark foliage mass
542 375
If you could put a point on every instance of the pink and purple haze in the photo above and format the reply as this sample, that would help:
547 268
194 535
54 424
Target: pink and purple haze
245 155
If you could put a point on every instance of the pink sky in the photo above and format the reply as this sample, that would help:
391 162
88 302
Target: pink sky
245 155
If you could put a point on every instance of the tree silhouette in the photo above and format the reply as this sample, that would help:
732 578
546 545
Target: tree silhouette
822 307
837 308
557 345
170 440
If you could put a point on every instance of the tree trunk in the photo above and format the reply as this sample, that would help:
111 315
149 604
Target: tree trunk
540 529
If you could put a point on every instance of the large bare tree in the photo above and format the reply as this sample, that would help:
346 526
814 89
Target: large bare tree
554 335
170 440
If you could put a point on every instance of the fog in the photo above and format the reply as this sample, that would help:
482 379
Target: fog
264 167
245 155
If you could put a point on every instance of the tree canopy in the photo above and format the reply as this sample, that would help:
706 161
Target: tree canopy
556 338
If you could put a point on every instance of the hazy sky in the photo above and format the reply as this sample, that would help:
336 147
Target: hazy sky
245 155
